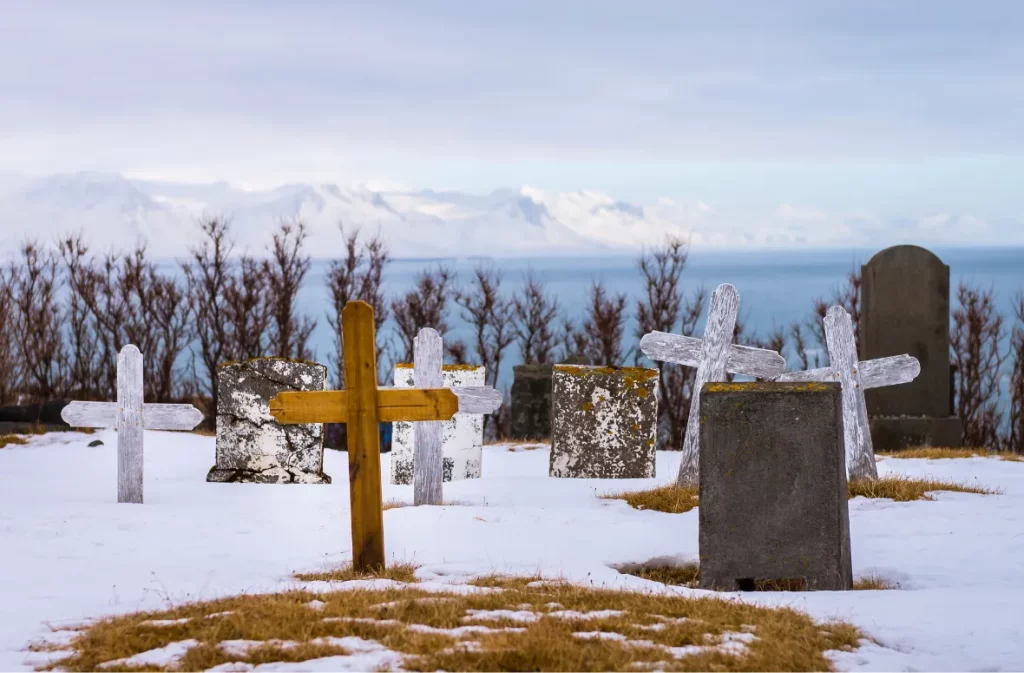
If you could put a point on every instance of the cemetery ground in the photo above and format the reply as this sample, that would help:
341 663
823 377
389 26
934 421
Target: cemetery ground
533 570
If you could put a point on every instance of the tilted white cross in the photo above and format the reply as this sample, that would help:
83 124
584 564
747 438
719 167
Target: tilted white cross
855 377
428 457
713 356
130 416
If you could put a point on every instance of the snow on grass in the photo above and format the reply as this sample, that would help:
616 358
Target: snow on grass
78 554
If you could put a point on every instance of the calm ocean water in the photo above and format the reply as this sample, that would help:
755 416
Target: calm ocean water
776 288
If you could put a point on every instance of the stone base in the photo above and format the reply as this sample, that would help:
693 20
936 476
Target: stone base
271 476
892 433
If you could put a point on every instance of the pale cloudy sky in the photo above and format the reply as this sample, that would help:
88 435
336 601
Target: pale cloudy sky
904 109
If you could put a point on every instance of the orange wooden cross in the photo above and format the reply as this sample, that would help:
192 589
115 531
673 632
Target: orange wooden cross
362 406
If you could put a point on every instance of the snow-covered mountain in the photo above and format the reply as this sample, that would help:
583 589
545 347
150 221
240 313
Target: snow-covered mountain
116 211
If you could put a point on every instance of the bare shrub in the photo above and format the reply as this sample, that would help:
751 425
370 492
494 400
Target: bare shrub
573 343
358 276
846 295
534 313
975 344
285 271
663 309
37 324
426 305
1015 431
10 372
604 326
490 316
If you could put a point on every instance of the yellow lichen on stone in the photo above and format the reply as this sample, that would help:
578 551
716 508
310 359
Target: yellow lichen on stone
767 387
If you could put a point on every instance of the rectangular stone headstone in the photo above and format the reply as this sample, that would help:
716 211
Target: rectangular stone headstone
604 422
251 446
905 309
462 436
773 492
531 402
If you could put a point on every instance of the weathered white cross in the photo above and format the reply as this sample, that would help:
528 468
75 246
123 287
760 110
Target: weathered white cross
713 356
130 416
855 377
428 458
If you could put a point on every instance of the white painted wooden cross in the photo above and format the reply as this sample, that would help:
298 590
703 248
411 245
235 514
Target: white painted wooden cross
428 458
713 356
130 416
856 377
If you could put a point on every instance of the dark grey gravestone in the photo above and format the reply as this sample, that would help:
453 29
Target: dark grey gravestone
773 493
603 422
905 309
251 445
531 402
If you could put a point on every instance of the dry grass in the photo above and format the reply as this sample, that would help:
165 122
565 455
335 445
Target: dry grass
930 453
873 583
11 440
674 499
686 575
539 633
905 489
671 498
399 572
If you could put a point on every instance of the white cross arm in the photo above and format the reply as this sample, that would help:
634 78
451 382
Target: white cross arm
684 350
154 416
477 399
891 371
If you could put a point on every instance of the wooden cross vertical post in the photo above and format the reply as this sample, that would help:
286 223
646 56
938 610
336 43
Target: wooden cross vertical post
131 417
362 406
714 356
855 377
428 456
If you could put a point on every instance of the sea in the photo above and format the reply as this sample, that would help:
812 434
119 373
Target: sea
776 288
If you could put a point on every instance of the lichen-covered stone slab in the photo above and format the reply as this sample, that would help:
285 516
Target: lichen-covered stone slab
603 422
251 446
462 436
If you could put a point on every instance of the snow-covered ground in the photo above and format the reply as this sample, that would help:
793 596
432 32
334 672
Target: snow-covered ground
68 551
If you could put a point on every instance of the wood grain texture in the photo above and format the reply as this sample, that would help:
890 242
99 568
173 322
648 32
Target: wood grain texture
154 416
428 457
879 373
685 350
842 354
291 407
360 359
129 425
718 335
477 399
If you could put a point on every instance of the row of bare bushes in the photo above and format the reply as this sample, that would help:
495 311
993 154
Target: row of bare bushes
65 312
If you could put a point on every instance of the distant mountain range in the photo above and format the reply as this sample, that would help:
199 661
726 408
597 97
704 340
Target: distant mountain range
116 211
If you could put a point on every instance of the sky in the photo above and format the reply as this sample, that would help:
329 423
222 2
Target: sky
906 110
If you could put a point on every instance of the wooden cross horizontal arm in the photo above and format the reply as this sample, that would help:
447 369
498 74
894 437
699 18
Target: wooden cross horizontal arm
878 373
393 404
684 350
154 416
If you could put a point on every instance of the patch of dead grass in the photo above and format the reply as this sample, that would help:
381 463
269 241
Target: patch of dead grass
675 499
12 440
685 575
905 489
873 583
399 572
931 453
546 627
671 498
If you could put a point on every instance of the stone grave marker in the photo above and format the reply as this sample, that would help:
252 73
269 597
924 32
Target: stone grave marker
604 422
531 402
251 446
131 417
773 490
714 356
905 309
855 378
